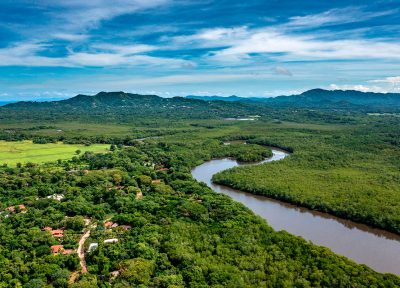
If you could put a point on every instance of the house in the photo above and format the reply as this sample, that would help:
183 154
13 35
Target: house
114 225
57 197
57 233
108 224
109 241
55 249
92 247
126 227
68 251
158 181
160 167
13 209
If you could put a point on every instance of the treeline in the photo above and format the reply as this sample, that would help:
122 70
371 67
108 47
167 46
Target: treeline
119 107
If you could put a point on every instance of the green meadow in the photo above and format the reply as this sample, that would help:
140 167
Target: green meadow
13 152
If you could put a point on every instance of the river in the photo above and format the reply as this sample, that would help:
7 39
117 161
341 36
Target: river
376 248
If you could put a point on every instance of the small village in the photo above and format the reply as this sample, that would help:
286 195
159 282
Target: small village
81 243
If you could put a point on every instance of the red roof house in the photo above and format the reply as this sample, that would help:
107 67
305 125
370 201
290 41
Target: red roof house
57 233
68 251
13 209
55 249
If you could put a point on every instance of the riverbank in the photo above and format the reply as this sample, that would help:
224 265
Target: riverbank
380 249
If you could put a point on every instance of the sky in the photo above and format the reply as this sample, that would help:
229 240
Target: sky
57 49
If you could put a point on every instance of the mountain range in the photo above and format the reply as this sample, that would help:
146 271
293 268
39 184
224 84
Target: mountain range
320 98
120 106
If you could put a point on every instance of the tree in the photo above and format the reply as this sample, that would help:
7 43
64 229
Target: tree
75 223
138 271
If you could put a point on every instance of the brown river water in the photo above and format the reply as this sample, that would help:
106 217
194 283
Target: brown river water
375 248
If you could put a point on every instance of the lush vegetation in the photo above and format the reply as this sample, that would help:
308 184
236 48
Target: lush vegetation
12 153
173 231
118 106
350 172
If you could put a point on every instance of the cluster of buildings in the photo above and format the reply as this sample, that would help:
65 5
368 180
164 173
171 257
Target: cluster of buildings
108 225
58 233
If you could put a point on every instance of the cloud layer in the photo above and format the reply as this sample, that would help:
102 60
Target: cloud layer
185 44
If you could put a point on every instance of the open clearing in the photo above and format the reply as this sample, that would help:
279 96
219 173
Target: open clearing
25 151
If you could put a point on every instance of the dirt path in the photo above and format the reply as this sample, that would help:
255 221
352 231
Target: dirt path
81 250
81 254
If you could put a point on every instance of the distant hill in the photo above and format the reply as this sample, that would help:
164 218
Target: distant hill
122 106
127 107
320 98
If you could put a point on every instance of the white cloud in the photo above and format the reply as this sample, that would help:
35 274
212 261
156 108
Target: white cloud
390 80
81 15
70 37
210 38
98 59
336 16
365 88
299 47
283 42
243 46
125 49
26 54
72 20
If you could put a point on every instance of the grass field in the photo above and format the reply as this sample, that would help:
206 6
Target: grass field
25 151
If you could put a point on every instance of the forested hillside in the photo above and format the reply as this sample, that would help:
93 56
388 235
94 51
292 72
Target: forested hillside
320 98
120 106
315 105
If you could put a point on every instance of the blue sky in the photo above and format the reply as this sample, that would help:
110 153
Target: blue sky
250 48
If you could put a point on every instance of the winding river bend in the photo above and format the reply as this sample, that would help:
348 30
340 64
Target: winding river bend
376 248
